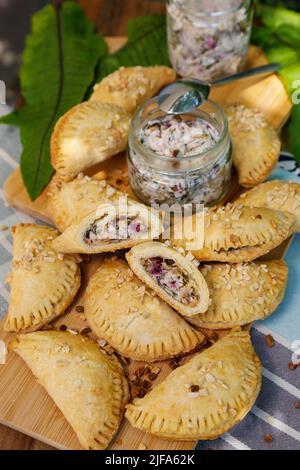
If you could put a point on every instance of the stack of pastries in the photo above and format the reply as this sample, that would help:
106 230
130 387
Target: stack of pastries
154 300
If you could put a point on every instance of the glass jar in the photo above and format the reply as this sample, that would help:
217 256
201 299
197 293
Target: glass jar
208 39
171 176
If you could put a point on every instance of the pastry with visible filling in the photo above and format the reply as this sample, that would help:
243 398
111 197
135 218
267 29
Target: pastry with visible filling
111 227
241 293
278 194
236 233
70 201
43 282
132 319
89 133
89 387
171 275
129 87
255 144
205 397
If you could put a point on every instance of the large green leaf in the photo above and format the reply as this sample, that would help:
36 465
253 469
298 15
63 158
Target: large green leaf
146 45
283 54
275 17
289 34
58 65
294 132
279 36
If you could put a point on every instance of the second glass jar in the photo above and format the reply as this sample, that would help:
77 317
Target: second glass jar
208 39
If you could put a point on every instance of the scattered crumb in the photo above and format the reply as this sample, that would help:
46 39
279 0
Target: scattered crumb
3 352
102 343
142 446
73 331
63 327
293 365
270 341
174 363
3 227
297 405
79 309
85 331
101 175
268 438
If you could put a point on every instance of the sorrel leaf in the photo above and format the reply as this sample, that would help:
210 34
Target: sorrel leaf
58 65
146 45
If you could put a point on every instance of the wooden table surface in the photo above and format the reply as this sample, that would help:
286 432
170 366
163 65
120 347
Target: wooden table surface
111 19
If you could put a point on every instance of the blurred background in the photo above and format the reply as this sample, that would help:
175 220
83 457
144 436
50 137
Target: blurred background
110 16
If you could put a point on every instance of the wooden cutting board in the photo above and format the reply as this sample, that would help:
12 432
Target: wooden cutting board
24 404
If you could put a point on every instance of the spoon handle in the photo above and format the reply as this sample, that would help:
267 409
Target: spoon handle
264 69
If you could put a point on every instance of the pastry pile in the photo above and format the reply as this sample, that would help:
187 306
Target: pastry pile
95 130
255 145
153 301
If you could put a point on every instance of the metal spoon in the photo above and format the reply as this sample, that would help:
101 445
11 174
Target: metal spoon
187 94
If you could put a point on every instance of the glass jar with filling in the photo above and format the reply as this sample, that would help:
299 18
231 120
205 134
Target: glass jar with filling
179 159
208 39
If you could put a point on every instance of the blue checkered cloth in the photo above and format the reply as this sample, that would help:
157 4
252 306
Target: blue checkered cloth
274 412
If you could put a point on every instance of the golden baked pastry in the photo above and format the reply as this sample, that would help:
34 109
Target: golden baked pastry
129 87
255 144
205 397
171 275
88 387
111 227
241 293
43 282
70 201
278 194
88 133
133 320
236 233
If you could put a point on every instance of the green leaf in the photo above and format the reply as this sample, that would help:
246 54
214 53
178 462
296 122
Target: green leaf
294 132
275 17
280 39
263 37
283 54
146 45
144 24
11 119
58 65
290 75
289 34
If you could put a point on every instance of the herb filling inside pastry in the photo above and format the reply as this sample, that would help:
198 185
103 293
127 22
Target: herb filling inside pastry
172 276
172 279
109 228
115 230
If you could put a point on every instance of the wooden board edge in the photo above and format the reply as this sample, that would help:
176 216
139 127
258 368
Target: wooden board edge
37 437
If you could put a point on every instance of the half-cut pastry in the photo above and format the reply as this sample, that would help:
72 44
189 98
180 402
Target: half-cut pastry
171 275
205 397
69 202
88 387
111 227
255 145
133 320
241 293
278 194
236 233
129 87
88 133
43 282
